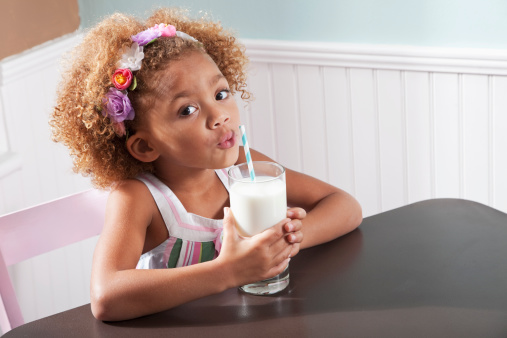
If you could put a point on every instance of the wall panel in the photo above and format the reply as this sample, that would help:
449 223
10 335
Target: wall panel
392 143
498 139
364 111
447 124
340 147
261 115
419 134
476 137
286 116
313 121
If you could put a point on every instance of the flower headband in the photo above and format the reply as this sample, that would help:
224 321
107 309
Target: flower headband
116 102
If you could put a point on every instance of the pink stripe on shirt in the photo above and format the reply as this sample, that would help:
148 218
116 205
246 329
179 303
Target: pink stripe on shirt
187 249
197 252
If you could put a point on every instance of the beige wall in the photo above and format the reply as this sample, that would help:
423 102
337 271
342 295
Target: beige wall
28 23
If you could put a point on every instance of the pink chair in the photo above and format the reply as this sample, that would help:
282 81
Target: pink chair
37 230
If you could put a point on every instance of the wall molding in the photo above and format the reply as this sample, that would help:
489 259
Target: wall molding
414 58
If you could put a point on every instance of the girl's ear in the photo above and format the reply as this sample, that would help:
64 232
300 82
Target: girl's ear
140 148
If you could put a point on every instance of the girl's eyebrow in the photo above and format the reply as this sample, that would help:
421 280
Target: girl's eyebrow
186 93
180 94
216 78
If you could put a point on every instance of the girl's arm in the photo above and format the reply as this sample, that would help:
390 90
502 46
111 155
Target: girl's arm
119 291
330 212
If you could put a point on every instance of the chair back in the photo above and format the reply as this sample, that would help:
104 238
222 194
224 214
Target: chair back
36 230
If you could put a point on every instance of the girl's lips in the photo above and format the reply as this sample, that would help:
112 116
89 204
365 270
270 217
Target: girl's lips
227 141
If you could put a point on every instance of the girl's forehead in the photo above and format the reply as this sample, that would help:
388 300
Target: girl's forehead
190 73
194 61
191 66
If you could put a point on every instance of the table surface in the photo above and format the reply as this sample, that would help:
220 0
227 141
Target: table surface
436 268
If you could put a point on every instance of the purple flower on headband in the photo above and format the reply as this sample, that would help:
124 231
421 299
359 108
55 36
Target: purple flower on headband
117 106
146 36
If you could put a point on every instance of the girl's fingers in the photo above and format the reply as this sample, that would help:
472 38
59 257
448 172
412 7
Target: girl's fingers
273 234
293 225
279 246
284 254
299 213
295 250
279 268
295 237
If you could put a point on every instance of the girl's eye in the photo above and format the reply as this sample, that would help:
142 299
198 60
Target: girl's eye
188 111
222 95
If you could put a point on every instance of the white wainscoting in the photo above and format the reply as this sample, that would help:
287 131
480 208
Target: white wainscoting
390 125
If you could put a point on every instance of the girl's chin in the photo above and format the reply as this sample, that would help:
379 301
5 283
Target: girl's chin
231 158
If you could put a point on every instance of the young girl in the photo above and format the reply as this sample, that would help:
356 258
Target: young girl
147 110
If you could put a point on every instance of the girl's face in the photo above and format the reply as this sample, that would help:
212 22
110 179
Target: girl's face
194 122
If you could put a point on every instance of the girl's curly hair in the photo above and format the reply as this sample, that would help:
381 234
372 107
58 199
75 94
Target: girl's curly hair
77 120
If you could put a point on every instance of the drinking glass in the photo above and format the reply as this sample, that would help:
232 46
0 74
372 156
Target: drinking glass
256 206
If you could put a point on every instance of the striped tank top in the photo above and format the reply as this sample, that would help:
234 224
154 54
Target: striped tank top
192 238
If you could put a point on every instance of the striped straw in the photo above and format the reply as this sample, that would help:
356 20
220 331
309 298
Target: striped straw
247 152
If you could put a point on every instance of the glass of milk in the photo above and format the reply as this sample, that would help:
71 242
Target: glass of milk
258 205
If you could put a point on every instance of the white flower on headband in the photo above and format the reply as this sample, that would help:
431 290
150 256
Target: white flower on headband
132 57
185 36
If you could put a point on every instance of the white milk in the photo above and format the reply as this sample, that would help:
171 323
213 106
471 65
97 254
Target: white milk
259 205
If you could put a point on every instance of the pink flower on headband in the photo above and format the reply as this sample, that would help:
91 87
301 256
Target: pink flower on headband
117 106
122 78
165 29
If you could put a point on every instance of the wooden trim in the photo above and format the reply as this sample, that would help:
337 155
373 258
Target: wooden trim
433 59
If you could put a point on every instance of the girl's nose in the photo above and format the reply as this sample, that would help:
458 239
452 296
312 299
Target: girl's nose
218 118
221 120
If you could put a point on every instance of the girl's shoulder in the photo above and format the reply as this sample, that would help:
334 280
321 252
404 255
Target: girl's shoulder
130 187
131 195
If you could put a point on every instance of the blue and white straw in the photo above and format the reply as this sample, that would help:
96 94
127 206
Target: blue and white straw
247 152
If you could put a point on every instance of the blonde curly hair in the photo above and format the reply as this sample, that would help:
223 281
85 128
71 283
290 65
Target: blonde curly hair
77 121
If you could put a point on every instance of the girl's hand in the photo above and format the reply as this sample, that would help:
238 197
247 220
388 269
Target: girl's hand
251 259
293 228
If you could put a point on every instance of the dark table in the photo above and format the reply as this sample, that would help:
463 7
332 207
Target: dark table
436 268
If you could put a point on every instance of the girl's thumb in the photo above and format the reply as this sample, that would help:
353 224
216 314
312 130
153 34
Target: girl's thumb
229 222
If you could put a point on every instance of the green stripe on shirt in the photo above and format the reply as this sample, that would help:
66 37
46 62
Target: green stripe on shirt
207 251
175 254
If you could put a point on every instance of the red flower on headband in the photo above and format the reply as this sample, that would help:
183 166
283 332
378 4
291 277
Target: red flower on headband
122 78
